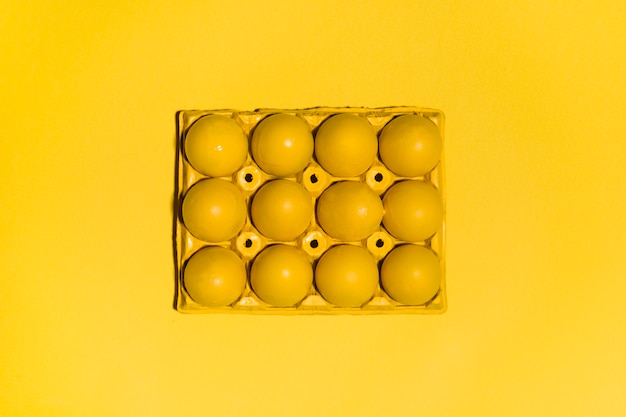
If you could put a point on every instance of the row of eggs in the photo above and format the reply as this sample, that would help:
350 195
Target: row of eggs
214 210
282 275
345 145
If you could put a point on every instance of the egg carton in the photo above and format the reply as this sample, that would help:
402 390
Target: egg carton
314 241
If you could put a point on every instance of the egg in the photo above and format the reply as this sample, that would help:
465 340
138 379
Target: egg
411 274
410 145
346 276
282 210
216 146
282 145
214 210
214 277
413 210
281 275
349 211
346 145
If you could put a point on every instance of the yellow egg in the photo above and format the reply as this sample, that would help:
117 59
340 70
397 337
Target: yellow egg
349 211
347 276
281 275
216 146
214 210
214 277
410 145
282 145
346 145
413 210
282 210
411 274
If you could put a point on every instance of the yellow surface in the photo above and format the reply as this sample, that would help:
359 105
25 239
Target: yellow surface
533 93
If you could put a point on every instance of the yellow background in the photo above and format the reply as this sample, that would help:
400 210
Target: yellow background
534 95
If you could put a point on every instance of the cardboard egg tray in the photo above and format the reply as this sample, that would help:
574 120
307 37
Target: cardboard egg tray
314 241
